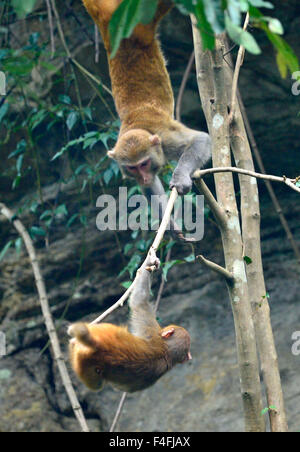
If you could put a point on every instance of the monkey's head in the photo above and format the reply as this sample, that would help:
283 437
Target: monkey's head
139 154
178 342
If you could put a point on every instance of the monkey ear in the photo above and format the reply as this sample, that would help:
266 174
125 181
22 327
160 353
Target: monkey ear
167 333
154 140
111 154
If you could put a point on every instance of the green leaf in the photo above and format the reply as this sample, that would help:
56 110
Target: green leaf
234 11
287 56
276 26
3 110
127 248
61 210
72 219
20 149
281 64
248 260
167 266
190 258
23 7
108 175
5 249
72 119
206 31
241 37
64 99
244 5
18 245
19 163
261 4
214 15
37 231
47 214
126 284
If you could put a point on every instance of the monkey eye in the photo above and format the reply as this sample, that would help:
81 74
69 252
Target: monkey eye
145 163
98 370
131 168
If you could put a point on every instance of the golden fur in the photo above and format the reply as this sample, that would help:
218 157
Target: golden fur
140 82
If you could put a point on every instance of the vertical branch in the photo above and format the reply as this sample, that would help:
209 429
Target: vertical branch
211 82
97 48
47 316
250 212
51 28
268 184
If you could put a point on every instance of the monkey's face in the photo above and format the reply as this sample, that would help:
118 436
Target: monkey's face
86 366
139 155
179 343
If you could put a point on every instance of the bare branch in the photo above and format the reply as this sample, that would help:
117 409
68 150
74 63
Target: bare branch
227 169
50 20
217 268
183 85
238 65
217 210
47 316
96 44
118 412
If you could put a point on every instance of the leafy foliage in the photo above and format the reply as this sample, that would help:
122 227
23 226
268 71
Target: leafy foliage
213 17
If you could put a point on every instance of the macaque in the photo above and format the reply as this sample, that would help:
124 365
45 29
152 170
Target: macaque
145 103
131 360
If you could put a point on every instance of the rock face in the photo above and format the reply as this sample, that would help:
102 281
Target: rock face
203 395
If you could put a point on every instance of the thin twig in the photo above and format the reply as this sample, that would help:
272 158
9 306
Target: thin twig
217 268
215 207
228 169
239 62
51 28
96 44
118 412
183 85
47 316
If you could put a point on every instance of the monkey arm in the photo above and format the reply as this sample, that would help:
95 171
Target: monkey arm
143 322
196 154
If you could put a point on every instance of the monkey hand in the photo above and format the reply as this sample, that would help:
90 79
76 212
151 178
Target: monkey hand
153 263
182 182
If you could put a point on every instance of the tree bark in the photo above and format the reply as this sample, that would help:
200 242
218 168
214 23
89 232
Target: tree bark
212 88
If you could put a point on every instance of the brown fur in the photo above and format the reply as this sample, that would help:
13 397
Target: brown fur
107 352
140 82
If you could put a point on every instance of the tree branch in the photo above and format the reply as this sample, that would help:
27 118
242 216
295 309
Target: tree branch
47 316
238 65
217 268
217 210
227 169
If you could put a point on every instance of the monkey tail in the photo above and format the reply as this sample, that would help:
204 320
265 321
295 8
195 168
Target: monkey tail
81 332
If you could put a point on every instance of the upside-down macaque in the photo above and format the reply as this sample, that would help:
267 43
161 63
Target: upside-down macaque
130 359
